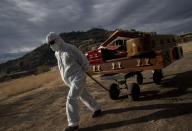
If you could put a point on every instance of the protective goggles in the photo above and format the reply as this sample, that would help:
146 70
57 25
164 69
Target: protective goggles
51 42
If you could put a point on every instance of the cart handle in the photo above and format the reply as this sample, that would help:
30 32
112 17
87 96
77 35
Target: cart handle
97 82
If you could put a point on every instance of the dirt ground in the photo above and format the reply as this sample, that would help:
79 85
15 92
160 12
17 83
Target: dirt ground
37 103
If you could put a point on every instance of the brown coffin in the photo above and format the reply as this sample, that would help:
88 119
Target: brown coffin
138 46
147 61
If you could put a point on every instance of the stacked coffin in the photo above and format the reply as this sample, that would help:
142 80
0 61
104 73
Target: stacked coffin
124 52
148 43
164 44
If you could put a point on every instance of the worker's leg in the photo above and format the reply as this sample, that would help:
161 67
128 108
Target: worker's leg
89 101
72 104
72 110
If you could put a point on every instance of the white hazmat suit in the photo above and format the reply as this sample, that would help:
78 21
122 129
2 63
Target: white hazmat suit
73 66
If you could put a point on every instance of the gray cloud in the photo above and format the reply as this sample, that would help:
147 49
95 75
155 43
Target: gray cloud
25 23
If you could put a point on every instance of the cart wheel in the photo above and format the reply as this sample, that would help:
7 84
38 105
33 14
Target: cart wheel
134 92
139 78
157 76
114 91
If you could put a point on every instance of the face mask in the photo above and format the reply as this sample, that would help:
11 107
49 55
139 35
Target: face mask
56 45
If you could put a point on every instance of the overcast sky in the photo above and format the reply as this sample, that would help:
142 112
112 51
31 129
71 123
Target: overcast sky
25 23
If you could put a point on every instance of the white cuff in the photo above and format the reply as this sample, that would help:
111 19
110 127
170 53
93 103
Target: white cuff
72 124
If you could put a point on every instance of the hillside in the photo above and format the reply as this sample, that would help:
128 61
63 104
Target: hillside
44 56
40 56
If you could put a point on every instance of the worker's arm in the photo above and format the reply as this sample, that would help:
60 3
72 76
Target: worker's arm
81 59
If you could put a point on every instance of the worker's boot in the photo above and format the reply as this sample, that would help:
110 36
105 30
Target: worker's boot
96 113
71 128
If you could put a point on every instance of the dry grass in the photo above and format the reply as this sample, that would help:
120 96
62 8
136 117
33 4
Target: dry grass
13 87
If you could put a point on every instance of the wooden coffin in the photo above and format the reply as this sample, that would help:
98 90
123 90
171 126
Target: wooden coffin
148 61
147 43
138 46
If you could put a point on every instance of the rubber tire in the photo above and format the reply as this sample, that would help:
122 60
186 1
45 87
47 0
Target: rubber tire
114 91
157 76
139 79
134 92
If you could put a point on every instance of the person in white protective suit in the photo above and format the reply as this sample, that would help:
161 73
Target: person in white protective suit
73 66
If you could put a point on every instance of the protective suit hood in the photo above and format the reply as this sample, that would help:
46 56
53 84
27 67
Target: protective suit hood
58 44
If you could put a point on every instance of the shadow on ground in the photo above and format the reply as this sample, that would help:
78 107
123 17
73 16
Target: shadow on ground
167 111
178 85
